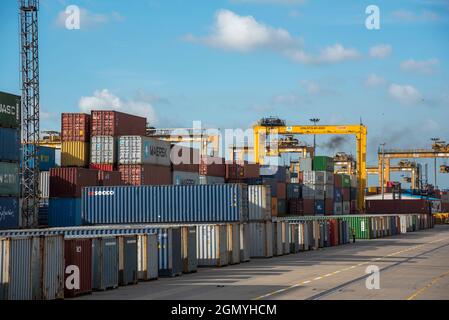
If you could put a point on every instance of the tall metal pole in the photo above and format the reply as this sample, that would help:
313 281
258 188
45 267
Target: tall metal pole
382 173
30 110
315 121
435 140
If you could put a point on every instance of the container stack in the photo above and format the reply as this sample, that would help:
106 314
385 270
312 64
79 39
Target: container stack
445 201
353 195
239 172
9 161
185 165
346 193
212 170
276 178
75 135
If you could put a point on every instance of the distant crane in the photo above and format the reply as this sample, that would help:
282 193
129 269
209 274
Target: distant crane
30 110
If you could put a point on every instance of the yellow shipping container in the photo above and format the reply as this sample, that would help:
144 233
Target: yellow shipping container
372 189
75 154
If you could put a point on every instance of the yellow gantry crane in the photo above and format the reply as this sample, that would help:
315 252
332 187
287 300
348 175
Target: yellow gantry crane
344 163
261 132
402 166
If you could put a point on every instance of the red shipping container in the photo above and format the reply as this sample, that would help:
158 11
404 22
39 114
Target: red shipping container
113 123
252 170
78 252
69 182
102 167
338 180
213 166
75 127
185 159
295 207
145 175
329 207
109 178
300 177
281 190
398 206
354 207
309 207
235 171
333 232
346 194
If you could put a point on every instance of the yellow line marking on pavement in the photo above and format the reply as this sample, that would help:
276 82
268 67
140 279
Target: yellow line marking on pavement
345 269
428 286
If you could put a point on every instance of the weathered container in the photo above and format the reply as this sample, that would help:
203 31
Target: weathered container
338 197
294 238
279 238
75 154
44 184
261 235
295 207
9 110
314 177
308 192
105 259
43 212
398 206
109 178
346 207
360 226
47 157
143 150
170 251
102 167
165 204
69 182
9 144
32 268
309 207
113 123
9 212
282 207
78 264
245 242
329 191
259 203
185 178
212 166
346 194
127 260
188 252
323 163
211 180
103 150
338 208
329 207
319 207
147 257
75 127
278 173
64 212
185 159
294 191
274 207
212 245
141 175
305 164
233 243
281 190
9 179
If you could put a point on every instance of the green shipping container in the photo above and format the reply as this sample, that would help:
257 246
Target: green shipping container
322 163
9 179
360 225
9 110
345 181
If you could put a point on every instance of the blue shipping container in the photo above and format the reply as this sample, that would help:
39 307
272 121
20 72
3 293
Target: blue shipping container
165 204
9 144
64 212
47 158
319 207
279 173
9 213
338 195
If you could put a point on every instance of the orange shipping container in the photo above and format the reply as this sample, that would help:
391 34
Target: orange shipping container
274 207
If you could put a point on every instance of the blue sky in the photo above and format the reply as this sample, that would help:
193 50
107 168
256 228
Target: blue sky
231 62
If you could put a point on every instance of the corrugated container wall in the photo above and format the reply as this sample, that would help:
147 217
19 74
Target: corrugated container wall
109 178
185 159
44 184
113 123
68 182
103 150
104 263
184 178
9 144
9 110
47 157
143 150
212 245
75 127
153 204
64 212
141 175
9 212
147 257
9 179
78 252
259 203
74 154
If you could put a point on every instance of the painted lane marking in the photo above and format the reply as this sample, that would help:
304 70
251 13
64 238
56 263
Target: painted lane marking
428 286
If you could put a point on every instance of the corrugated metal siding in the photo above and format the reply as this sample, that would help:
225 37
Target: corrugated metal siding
74 154
9 212
9 179
78 252
113 123
233 234
105 263
144 150
20 280
103 150
212 245
127 260
75 127
4 268
183 178
9 144
9 110
157 204
245 242
147 258
44 184
261 235
64 212
68 182
259 203
189 254
53 267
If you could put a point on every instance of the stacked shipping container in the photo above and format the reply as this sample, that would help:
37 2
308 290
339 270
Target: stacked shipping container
9 160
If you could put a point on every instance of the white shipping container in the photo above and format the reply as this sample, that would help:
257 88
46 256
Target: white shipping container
346 207
183 178
353 181
338 208
143 150
211 180
212 245
103 150
44 184
233 234
261 235
305 164
308 192
314 177
259 203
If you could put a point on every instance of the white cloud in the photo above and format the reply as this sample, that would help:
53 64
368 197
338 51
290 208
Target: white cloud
380 51
105 100
409 16
373 80
314 88
424 67
430 125
244 33
89 19
405 94
286 99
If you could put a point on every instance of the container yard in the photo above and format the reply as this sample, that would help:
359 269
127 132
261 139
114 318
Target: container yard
108 201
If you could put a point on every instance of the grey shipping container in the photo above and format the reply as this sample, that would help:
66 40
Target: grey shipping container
212 245
245 242
165 204
144 150
184 178
259 202
147 257
103 150
261 235
9 179
305 164
105 263
294 238
41 259
189 255
233 234
211 180
127 260
170 251
44 184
